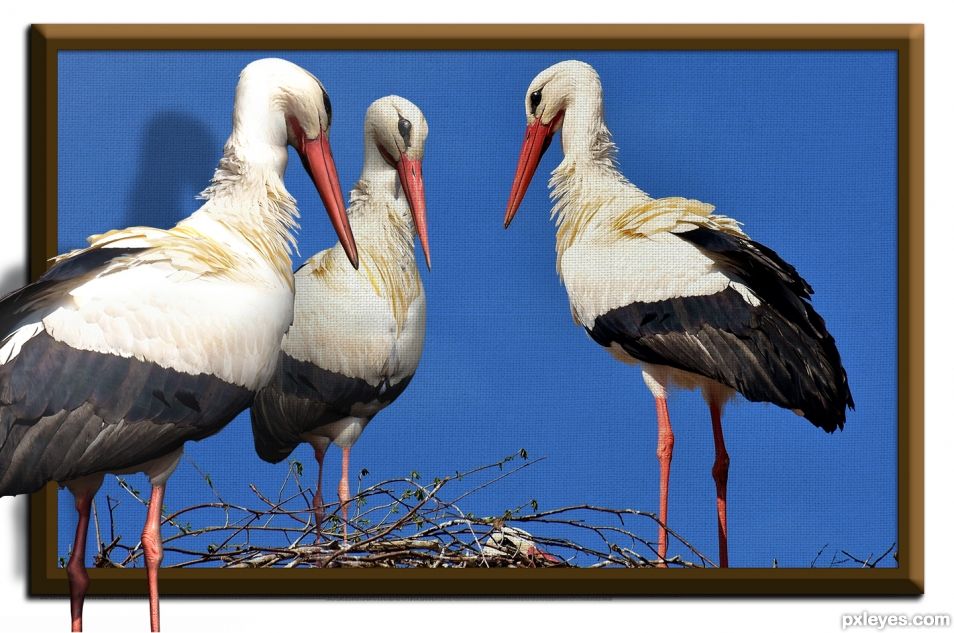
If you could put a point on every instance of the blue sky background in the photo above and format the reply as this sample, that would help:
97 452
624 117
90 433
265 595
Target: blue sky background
799 146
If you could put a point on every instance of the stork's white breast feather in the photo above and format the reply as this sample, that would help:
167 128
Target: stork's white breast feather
601 275
161 308
369 347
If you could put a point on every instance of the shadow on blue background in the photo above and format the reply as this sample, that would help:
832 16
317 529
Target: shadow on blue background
799 146
176 150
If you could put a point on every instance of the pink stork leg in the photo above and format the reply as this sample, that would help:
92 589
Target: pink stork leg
76 568
152 548
318 502
720 473
344 492
664 453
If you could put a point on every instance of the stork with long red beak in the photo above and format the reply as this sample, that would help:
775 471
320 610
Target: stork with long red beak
125 350
357 336
670 285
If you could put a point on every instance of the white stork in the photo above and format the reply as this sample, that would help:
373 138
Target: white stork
670 285
357 336
148 338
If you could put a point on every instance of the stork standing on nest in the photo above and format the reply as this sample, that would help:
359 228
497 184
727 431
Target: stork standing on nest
148 338
670 285
357 336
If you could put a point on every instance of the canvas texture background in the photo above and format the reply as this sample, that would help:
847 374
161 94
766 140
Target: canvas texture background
801 147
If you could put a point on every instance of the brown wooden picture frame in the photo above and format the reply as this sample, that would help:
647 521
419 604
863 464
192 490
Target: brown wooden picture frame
46 41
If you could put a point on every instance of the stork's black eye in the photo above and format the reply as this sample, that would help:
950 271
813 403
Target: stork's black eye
535 100
404 128
324 97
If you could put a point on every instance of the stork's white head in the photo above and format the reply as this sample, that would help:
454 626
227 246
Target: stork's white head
550 95
556 88
397 126
286 92
397 129
278 103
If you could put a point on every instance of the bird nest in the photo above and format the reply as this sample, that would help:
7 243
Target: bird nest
408 523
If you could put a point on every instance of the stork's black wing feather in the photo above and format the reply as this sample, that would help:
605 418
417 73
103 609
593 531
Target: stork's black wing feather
302 397
67 413
776 349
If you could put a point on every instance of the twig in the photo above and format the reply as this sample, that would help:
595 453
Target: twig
868 562
99 538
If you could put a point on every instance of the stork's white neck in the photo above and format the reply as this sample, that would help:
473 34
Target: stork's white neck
381 221
259 131
247 193
257 147
379 211
588 171
379 177
586 187
585 137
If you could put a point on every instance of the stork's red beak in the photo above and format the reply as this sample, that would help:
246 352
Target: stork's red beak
320 165
412 181
539 135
